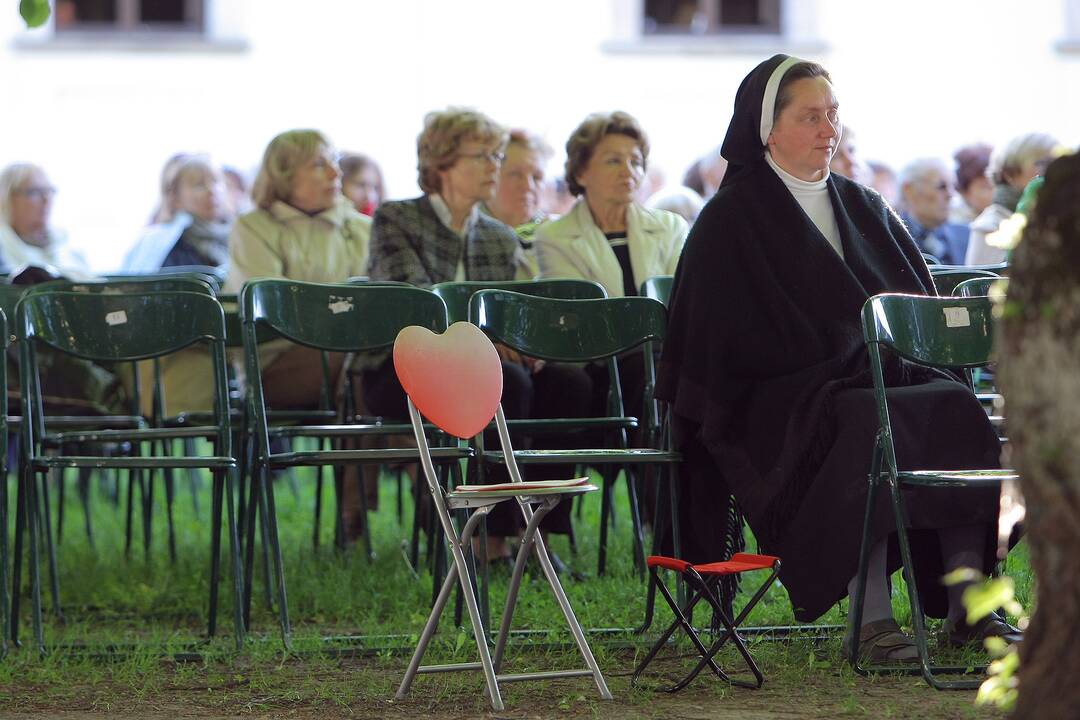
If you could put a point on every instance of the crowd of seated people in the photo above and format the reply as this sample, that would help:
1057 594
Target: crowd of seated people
488 212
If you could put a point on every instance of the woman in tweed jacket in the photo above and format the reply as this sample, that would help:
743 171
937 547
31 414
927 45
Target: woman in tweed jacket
444 236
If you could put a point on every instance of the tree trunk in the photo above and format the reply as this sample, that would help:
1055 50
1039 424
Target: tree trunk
1039 375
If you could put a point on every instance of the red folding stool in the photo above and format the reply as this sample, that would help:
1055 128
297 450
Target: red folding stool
702 581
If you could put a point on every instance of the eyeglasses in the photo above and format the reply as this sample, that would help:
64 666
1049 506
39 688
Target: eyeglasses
495 158
38 193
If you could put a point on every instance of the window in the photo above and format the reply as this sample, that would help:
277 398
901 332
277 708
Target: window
127 16
711 17
693 27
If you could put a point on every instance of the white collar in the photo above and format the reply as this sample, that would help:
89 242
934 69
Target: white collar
793 183
442 211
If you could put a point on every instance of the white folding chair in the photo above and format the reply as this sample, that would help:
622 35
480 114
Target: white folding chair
455 381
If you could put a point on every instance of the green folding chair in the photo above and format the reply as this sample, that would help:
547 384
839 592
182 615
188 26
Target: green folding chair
4 564
457 294
122 328
947 278
335 318
80 424
936 332
582 331
658 288
980 286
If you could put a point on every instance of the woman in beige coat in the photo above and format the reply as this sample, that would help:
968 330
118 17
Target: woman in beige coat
606 236
303 229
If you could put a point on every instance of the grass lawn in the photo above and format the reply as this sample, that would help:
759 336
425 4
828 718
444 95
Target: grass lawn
155 610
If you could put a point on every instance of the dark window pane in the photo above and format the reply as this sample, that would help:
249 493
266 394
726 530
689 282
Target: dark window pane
161 11
671 15
740 12
69 12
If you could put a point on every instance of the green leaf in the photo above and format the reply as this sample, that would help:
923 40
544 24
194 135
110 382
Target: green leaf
980 601
34 12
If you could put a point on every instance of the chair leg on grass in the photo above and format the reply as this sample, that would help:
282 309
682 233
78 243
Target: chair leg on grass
31 512
86 475
215 553
4 599
269 511
239 628
45 528
16 570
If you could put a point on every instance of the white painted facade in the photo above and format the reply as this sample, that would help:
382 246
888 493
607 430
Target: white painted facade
914 78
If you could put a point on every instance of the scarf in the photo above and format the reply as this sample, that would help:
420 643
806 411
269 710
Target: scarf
1007 196
210 240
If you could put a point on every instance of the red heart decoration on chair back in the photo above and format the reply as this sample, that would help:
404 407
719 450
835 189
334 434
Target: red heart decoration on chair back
454 379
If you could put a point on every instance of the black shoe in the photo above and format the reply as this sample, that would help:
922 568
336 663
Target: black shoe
961 634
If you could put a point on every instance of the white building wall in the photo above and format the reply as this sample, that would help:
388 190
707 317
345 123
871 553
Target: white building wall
914 78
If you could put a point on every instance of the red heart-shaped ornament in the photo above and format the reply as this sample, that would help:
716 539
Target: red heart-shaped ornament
454 379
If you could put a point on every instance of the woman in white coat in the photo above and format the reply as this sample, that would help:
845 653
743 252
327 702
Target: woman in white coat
606 236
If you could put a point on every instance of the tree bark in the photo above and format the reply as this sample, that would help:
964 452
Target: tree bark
1039 374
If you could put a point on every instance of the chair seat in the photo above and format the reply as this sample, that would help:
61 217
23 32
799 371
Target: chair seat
76 461
122 435
627 456
956 478
338 457
480 498
739 562
346 430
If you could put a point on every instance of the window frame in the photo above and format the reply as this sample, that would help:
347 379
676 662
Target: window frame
128 22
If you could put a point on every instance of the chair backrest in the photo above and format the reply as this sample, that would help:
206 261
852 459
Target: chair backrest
980 286
658 288
947 278
339 318
457 295
140 284
934 331
931 259
567 330
454 379
215 277
119 327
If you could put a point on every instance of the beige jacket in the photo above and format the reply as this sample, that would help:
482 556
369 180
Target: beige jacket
574 247
283 242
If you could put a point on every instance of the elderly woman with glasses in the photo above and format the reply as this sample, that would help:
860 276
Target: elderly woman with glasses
444 236
26 237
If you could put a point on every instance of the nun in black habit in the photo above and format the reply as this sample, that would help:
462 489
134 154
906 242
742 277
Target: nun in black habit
769 380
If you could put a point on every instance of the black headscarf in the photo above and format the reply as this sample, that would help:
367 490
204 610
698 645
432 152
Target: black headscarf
744 144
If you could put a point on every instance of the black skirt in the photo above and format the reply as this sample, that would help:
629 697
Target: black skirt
938 425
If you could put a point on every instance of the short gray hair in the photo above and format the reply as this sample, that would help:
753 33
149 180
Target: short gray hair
1018 152
11 178
917 170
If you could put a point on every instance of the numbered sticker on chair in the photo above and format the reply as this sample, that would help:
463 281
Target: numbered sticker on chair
957 317
119 317
339 305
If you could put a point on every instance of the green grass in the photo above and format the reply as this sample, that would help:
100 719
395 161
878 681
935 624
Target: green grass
159 608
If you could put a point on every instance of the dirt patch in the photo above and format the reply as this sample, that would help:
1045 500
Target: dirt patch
365 688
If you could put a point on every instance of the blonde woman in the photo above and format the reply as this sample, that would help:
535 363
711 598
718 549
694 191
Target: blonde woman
303 228
192 223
